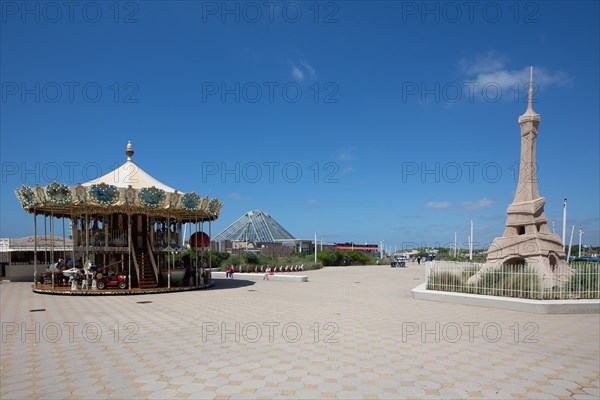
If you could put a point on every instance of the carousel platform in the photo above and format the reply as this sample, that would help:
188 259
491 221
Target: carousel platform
66 290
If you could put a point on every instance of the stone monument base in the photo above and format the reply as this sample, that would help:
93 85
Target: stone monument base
540 252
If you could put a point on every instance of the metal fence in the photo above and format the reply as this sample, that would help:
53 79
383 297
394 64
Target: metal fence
513 281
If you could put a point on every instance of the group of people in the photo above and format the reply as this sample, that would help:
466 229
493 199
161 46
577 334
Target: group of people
257 269
67 273
56 270
230 270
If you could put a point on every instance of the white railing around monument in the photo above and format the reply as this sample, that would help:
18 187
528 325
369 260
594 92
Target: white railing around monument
512 281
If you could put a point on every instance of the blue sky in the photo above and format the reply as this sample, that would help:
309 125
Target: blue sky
361 121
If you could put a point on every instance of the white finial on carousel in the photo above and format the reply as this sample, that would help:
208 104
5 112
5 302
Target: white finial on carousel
129 150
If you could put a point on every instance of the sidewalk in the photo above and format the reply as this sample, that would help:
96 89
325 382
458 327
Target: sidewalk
349 332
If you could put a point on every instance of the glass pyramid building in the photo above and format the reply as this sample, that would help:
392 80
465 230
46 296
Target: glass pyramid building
255 226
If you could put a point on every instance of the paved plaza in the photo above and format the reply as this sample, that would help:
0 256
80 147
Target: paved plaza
352 332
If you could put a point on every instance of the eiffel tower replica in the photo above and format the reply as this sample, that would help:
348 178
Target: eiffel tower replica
527 241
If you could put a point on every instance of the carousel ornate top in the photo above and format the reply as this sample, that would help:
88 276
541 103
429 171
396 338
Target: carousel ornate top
127 189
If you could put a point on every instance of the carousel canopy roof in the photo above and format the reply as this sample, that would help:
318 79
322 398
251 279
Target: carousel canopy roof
127 189
130 174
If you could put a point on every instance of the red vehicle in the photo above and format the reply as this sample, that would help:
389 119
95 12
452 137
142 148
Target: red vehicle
109 277
119 280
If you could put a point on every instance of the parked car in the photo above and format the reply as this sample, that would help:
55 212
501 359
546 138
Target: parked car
399 262
585 259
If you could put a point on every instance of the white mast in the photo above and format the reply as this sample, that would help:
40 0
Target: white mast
454 244
580 234
471 243
571 243
564 232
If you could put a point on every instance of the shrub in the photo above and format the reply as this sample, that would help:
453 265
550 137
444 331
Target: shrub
250 258
217 258
584 281
446 281
232 260
312 266
329 258
357 257
469 272
525 283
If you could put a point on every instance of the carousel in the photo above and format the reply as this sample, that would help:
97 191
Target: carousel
128 232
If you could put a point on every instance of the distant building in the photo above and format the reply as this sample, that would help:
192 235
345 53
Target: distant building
258 232
255 226
372 249
16 251
17 255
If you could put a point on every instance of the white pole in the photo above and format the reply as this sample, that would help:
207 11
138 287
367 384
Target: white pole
471 243
580 234
35 249
454 244
564 232
570 243
382 244
315 247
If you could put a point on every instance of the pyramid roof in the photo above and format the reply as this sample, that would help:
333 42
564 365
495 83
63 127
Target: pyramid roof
255 226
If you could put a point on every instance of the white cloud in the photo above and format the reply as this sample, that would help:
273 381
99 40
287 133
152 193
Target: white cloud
474 205
302 71
483 63
507 78
309 68
297 73
490 71
346 154
312 202
438 204
238 197
348 170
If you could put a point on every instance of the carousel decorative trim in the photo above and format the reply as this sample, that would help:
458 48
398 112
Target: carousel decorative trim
80 193
190 201
58 193
26 196
104 194
151 197
60 200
